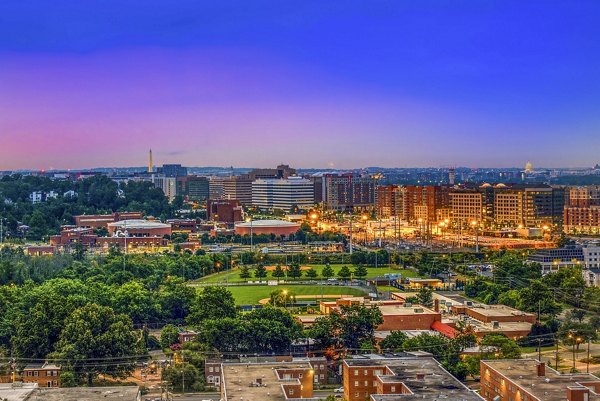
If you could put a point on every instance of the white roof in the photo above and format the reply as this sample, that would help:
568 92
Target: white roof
132 224
268 223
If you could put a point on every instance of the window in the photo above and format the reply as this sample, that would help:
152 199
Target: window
393 388
291 391
355 372
216 369
366 383
356 383
357 394
211 369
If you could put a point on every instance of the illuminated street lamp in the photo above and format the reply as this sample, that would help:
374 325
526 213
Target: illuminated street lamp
249 220
476 225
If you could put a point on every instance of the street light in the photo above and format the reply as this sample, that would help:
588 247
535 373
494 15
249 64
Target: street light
249 220
476 225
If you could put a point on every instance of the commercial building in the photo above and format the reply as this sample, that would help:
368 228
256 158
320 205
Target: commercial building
215 187
167 184
584 256
274 227
225 211
238 187
102 220
139 228
415 377
348 191
532 380
283 171
472 205
74 235
283 194
193 188
172 170
481 318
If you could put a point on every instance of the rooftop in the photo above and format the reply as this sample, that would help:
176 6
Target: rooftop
498 310
138 224
268 223
121 393
238 379
551 387
391 310
433 382
16 392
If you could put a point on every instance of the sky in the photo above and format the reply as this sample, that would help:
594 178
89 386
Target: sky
321 84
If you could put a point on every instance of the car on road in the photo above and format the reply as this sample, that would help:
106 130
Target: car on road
339 390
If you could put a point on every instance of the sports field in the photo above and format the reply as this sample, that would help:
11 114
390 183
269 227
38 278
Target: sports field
250 295
233 276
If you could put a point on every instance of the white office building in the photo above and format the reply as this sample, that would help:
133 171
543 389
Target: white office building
283 194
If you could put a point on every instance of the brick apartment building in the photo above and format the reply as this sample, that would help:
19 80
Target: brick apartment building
416 376
531 380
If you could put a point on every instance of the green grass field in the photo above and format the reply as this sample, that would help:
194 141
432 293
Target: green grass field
250 295
233 276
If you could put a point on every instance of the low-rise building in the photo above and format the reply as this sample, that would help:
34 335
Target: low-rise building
551 260
531 380
416 376
186 336
44 374
102 220
267 381
591 277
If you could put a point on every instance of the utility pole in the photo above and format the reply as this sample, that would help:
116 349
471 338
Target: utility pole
588 356
351 218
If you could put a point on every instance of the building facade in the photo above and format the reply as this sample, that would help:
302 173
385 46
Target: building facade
348 191
238 187
283 194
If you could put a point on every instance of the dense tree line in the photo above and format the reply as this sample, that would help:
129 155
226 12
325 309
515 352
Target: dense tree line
97 194
55 307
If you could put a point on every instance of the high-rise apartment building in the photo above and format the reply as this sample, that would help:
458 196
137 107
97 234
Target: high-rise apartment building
348 191
283 194
424 202
582 210
386 200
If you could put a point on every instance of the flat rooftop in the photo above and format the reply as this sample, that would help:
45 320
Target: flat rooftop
489 327
30 391
138 224
391 310
121 393
436 382
551 387
498 310
16 393
237 378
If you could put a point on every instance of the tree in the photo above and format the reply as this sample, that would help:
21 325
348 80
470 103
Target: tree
394 341
212 303
260 271
295 271
360 271
244 272
499 346
311 273
349 328
134 300
169 335
96 332
278 272
425 297
327 271
344 272
282 298
184 373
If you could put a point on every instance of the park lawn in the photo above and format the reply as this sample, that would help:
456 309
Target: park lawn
233 276
251 294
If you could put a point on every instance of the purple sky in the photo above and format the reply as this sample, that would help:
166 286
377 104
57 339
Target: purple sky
338 86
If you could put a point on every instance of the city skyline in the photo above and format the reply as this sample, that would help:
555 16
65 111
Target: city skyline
343 85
